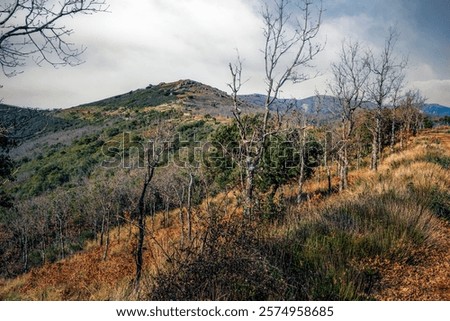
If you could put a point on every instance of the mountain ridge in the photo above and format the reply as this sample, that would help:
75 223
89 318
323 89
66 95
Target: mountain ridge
323 103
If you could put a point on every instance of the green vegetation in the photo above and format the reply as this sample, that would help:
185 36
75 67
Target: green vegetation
6 168
149 97
438 158
60 165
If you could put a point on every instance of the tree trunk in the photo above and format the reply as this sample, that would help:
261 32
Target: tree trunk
141 233
343 156
102 230
329 179
301 178
402 134
380 143
105 253
140 251
25 251
249 186
189 210
375 144
61 238
327 166
343 168
392 135
181 216
118 226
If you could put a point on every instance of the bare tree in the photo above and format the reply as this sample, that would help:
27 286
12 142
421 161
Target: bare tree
289 48
31 28
155 157
302 134
61 214
189 204
409 115
350 75
396 99
387 71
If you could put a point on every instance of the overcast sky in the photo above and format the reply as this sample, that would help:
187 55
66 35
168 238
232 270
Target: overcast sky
143 42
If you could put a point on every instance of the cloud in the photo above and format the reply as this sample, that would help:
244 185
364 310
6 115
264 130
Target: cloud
142 42
436 90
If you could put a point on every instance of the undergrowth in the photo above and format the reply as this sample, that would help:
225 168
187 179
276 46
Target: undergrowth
324 253
321 258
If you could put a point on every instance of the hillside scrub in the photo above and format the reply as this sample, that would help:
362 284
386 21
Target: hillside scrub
331 252
331 247
325 255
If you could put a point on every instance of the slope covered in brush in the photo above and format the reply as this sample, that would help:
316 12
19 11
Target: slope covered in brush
385 238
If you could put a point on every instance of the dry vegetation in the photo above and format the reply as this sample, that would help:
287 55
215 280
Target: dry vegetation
385 238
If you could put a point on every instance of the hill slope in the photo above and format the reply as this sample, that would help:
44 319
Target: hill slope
36 127
191 95
24 123
436 110
336 247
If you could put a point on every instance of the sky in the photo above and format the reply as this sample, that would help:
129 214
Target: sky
142 42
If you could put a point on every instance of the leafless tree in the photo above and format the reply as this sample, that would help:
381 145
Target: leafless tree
350 75
396 99
300 121
159 144
290 31
409 115
31 28
386 72
189 204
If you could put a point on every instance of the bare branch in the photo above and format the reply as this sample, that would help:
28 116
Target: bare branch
387 76
350 75
288 49
30 29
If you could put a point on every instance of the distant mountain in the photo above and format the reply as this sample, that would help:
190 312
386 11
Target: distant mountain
436 110
313 104
324 105
321 108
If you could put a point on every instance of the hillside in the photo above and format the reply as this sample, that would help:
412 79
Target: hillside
35 128
25 123
191 96
386 238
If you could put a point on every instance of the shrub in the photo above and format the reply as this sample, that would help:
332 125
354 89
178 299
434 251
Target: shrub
228 268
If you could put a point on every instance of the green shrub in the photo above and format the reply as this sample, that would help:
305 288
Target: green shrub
439 159
319 256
